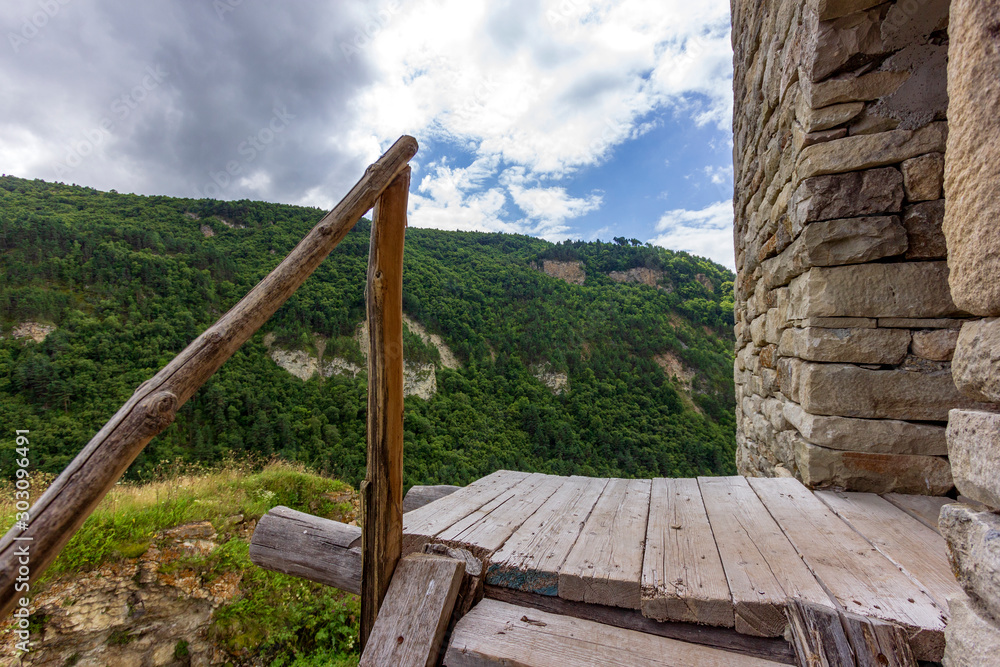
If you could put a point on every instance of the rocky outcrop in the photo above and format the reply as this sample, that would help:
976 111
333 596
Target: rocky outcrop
641 275
571 272
557 382
36 331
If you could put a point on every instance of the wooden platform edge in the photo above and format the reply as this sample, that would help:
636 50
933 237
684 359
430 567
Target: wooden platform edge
774 649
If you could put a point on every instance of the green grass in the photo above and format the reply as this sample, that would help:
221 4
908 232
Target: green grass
288 621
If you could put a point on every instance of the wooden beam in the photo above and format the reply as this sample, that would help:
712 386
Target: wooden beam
418 496
382 489
497 633
76 492
415 613
310 547
774 649
826 637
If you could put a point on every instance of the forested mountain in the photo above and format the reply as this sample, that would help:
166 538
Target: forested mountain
128 281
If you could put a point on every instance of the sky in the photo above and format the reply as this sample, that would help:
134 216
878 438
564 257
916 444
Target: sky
562 119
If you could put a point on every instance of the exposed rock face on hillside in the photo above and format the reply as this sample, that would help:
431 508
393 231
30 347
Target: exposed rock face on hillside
419 379
673 366
571 272
555 381
640 274
34 330
150 610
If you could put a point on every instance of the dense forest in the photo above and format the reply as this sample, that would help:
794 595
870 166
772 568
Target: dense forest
128 281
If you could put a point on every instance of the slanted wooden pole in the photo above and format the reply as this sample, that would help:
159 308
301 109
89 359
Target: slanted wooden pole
76 492
382 489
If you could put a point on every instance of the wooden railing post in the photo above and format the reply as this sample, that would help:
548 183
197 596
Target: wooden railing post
80 487
382 489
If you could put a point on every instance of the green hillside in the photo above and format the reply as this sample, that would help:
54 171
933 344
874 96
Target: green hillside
128 281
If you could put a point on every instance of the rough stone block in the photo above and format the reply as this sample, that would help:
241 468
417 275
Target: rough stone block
871 192
923 230
908 23
909 290
853 240
815 120
974 551
832 9
923 177
976 364
972 638
829 45
974 449
879 436
859 346
803 139
837 322
936 345
918 323
924 95
790 377
872 473
871 150
851 391
851 88
972 170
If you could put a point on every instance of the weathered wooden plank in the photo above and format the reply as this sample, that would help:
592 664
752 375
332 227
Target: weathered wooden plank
486 529
308 546
71 498
418 496
471 590
926 509
382 490
531 558
854 572
818 636
762 567
911 545
682 574
422 524
497 633
605 564
415 613
769 648
877 643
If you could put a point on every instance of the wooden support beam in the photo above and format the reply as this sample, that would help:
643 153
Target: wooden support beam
415 612
382 489
310 547
76 492
826 637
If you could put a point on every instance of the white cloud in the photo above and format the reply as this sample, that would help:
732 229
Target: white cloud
707 232
720 175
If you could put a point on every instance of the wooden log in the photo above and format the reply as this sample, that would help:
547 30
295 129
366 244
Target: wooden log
497 633
382 489
418 496
471 590
415 612
80 487
777 650
310 547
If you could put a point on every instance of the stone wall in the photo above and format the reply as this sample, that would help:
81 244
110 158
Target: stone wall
845 324
972 185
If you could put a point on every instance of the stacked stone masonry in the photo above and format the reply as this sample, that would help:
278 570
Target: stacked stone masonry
845 322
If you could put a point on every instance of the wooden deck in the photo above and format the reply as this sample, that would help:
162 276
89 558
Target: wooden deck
725 552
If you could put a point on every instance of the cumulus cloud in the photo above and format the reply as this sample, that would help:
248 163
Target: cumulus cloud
707 232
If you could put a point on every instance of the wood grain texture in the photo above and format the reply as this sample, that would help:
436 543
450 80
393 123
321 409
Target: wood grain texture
877 643
925 509
415 613
497 633
853 571
825 637
308 546
486 529
531 558
382 490
418 496
80 487
768 648
605 564
919 551
682 574
762 567
423 524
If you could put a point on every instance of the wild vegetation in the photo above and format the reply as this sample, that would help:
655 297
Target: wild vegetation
128 281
